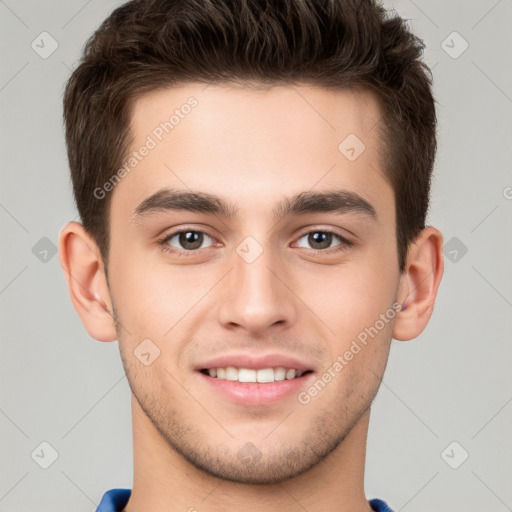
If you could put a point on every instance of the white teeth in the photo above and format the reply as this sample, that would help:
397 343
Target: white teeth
231 373
290 374
246 375
279 373
265 375
250 375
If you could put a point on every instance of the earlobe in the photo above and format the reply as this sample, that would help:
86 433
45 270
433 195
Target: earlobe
419 284
83 269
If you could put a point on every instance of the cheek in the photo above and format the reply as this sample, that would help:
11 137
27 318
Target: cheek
350 297
155 300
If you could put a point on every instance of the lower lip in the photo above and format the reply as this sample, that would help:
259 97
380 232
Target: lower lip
255 393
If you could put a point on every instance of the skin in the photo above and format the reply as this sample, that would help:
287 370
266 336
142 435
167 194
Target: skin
252 148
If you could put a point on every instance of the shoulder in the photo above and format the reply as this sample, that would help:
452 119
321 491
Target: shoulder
114 500
379 506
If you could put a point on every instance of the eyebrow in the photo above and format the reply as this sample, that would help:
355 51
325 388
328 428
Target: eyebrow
335 201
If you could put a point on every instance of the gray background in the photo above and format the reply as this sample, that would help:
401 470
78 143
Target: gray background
452 384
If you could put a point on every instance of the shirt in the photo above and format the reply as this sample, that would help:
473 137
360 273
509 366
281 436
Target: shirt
116 499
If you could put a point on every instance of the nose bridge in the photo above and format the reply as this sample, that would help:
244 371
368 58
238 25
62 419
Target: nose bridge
255 298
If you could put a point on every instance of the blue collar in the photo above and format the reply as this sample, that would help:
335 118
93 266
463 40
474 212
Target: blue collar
116 499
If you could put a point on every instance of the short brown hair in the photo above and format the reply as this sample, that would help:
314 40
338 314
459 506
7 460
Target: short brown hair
145 45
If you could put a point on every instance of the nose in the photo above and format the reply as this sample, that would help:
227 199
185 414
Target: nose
257 296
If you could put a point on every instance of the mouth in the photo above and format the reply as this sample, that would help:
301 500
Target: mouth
251 380
252 375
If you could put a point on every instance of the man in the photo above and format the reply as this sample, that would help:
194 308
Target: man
252 179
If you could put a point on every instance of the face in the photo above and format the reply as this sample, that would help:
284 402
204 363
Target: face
253 272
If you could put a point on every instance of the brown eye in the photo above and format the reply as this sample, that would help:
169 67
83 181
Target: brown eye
321 240
187 240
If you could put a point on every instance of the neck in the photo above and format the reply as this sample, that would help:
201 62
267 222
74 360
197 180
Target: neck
165 481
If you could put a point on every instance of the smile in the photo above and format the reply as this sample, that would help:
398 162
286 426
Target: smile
264 375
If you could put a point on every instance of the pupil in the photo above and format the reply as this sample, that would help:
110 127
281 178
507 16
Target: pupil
323 240
191 240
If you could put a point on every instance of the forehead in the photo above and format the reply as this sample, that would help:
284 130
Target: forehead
254 142
291 112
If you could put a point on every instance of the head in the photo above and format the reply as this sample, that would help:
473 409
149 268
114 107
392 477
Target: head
264 126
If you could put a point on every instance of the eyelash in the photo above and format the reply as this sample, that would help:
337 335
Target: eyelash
164 245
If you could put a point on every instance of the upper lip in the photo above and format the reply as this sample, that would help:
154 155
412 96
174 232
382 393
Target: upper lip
253 361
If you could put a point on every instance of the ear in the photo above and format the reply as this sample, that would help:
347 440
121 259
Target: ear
83 268
419 283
